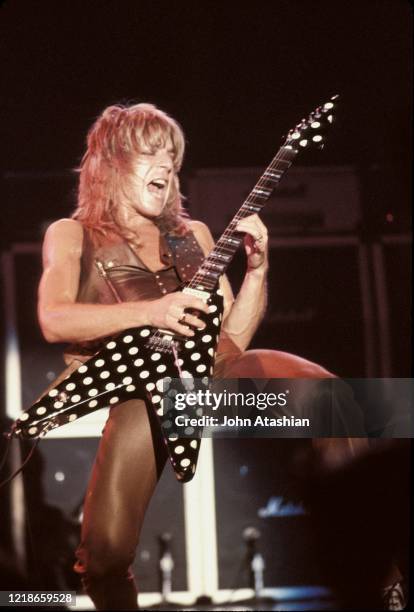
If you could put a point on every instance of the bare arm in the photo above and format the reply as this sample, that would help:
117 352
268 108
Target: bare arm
243 315
63 320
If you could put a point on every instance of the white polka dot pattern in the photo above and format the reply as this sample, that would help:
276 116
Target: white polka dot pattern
118 367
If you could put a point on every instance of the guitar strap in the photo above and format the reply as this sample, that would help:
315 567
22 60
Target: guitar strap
186 253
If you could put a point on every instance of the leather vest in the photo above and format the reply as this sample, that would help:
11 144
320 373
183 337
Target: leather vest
115 273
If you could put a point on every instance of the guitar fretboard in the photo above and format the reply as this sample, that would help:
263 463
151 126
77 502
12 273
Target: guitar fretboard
216 263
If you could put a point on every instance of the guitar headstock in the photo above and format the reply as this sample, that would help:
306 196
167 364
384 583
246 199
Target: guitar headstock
310 132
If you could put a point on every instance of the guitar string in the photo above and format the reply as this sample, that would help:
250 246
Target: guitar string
251 199
200 277
263 182
194 282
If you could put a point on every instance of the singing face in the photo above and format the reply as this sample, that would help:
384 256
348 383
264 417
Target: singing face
152 180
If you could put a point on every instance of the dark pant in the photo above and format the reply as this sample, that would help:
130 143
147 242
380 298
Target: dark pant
129 462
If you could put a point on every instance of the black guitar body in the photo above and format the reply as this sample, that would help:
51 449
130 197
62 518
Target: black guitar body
138 363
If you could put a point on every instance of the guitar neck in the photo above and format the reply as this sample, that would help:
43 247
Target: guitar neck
216 263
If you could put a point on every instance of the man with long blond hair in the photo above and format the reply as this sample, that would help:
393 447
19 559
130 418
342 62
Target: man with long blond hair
116 264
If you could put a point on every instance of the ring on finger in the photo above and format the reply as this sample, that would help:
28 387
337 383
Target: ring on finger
182 318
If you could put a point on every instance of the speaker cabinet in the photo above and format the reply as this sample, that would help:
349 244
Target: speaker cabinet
323 199
320 303
392 263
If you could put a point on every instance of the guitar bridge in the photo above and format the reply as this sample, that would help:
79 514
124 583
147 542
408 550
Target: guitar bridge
162 341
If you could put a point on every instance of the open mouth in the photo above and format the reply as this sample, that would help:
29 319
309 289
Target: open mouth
157 186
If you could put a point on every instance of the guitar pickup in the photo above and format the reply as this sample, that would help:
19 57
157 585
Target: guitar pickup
203 295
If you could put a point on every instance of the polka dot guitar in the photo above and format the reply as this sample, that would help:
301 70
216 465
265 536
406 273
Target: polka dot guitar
141 362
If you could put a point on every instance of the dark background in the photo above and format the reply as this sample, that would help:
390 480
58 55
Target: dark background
236 77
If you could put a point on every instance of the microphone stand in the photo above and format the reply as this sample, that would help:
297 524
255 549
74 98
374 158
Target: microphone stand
165 569
256 565
166 566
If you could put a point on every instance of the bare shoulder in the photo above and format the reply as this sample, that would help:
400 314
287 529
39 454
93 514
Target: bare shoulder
198 226
202 233
64 236
65 227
